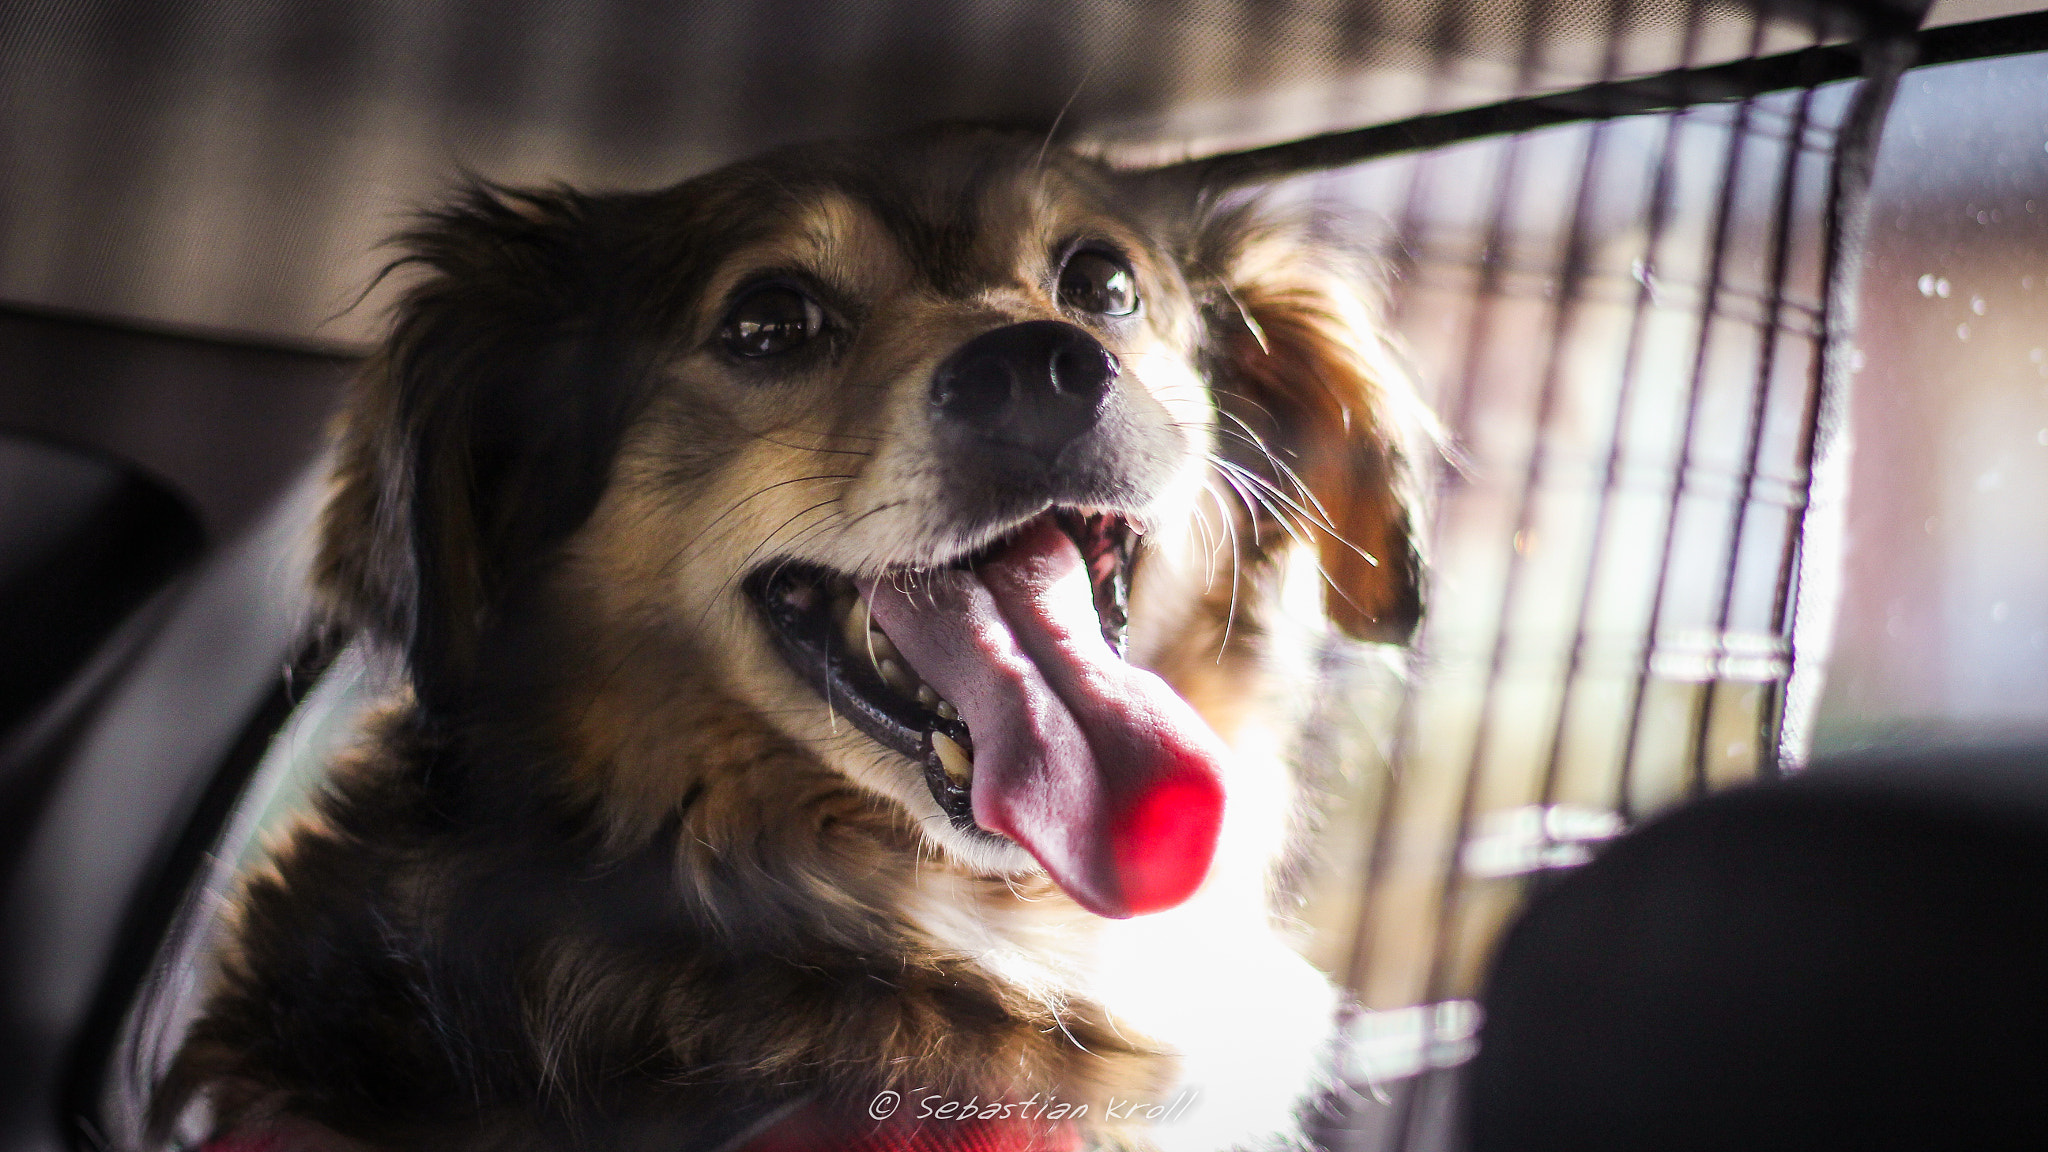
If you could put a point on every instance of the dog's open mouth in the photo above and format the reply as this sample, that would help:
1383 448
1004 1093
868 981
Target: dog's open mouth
1003 675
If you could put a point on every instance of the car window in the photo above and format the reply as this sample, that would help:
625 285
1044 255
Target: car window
1943 632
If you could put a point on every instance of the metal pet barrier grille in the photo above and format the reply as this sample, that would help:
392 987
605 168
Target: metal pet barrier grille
1629 367
1634 329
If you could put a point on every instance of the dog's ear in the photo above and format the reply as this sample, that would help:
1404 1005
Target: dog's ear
1316 406
480 436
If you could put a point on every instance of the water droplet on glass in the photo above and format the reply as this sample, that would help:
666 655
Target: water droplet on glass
1941 287
1962 331
1927 285
1977 305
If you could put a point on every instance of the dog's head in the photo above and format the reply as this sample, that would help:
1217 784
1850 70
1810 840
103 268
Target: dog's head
921 449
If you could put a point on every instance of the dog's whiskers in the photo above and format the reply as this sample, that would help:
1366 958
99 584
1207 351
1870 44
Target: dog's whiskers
1293 478
1293 529
767 542
1209 537
1230 616
1254 503
668 566
1038 163
632 650
1061 1022
856 522
825 437
1315 514
1244 434
1252 490
1252 520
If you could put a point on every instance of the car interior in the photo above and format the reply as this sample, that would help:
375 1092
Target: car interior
1710 808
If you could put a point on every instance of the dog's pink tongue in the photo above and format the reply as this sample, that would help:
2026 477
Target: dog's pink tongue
1097 768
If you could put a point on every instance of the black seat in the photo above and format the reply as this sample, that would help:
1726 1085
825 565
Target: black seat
1855 958
83 541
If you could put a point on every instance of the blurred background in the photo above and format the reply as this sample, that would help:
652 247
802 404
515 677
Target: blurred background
234 164
1943 626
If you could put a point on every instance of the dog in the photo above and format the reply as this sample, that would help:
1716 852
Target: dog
853 612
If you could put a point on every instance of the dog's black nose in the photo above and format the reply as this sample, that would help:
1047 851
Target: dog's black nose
1036 386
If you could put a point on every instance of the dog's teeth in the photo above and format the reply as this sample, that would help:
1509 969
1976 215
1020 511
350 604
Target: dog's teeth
953 758
926 696
878 642
945 709
851 629
897 676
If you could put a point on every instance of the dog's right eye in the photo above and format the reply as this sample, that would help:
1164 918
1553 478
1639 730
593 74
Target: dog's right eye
771 320
1099 282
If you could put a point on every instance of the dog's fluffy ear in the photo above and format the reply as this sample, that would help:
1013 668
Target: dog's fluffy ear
480 435
1317 407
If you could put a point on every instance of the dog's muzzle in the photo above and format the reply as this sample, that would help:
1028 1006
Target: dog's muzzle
1027 390
999 669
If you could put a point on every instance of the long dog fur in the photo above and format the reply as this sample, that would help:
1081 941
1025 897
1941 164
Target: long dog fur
603 874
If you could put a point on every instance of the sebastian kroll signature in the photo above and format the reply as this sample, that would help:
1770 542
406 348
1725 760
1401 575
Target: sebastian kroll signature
926 1105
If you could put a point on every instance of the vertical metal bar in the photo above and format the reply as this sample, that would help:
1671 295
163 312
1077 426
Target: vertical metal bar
1477 337
1451 900
1658 218
1759 413
1709 306
1445 37
1491 256
1810 579
1659 212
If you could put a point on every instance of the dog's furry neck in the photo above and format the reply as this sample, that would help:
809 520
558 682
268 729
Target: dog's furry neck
762 920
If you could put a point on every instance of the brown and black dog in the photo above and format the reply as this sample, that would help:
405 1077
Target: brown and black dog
855 610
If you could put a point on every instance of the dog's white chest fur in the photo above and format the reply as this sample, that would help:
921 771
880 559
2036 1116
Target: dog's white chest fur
1247 1019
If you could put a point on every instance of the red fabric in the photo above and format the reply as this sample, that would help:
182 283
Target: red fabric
808 1131
812 1131
245 1142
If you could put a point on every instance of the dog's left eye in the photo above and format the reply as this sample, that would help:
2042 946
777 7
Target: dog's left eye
1098 282
771 320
